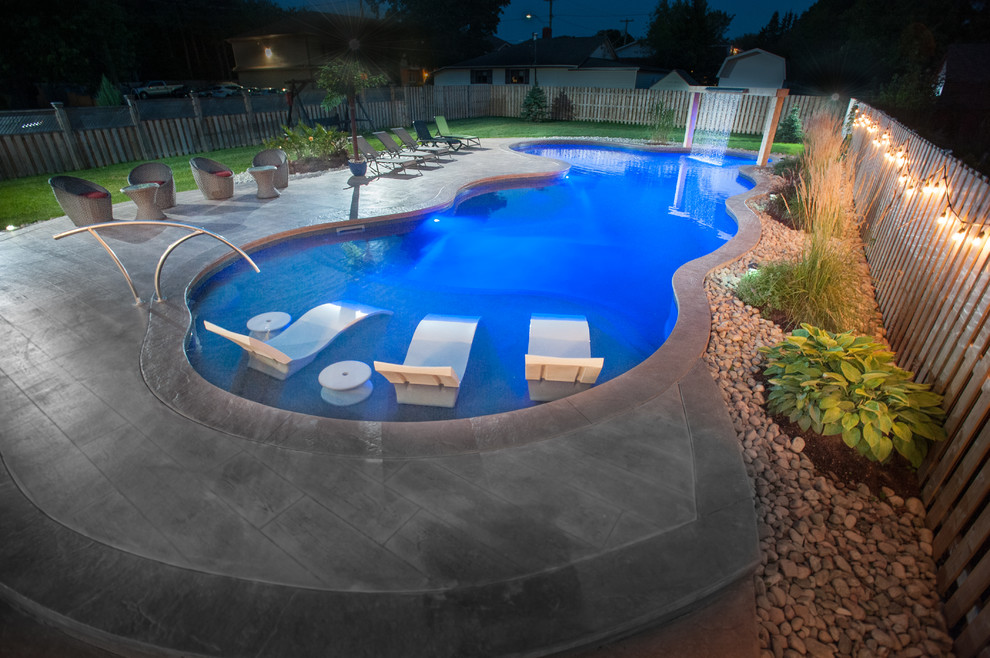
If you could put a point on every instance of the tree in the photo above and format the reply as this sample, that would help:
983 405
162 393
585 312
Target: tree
446 31
345 79
685 34
790 130
534 107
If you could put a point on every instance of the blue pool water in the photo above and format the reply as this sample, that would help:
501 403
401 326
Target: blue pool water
604 243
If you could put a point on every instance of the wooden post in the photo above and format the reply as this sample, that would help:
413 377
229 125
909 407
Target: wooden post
252 125
205 143
68 137
692 118
138 127
770 127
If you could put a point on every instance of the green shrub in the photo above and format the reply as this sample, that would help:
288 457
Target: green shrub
849 385
305 142
820 288
108 95
534 107
789 130
562 109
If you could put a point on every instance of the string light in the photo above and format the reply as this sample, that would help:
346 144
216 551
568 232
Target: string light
978 239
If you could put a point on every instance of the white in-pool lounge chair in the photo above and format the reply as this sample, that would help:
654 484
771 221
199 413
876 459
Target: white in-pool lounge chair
435 361
301 341
559 361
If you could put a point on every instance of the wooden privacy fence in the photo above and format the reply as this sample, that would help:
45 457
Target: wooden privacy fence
62 139
926 234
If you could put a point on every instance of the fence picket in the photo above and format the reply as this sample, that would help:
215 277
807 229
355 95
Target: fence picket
934 293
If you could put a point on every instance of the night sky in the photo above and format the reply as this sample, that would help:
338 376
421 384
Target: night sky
586 17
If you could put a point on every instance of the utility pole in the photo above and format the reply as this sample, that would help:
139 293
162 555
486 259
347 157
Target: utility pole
627 21
550 22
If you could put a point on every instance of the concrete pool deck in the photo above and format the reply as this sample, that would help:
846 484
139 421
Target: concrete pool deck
148 512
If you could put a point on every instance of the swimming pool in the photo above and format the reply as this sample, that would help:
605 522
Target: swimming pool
602 243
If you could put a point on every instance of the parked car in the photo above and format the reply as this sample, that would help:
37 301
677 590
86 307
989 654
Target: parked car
225 90
158 89
264 91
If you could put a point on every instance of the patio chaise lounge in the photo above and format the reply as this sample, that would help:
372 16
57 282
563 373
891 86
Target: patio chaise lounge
444 129
214 180
83 201
409 142
435 362
300 342
559 361
424 137
274 158
376 159
395 151
155 172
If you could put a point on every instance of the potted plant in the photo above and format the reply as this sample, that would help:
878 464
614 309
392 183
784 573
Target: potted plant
346 78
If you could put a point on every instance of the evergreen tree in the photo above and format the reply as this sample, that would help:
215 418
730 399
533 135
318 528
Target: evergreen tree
790 130
534 107
108 94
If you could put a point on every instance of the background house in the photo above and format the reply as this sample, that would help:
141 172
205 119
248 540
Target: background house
753 68
677 80
296 47
557 61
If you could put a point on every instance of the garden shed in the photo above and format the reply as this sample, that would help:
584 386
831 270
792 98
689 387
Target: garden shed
753 68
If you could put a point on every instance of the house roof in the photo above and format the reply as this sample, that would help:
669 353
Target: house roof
558 51
967 62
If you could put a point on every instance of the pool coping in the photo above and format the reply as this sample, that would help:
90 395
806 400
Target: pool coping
182 388
118 599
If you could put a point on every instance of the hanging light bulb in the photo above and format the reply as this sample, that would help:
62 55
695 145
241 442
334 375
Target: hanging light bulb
945 217
978 239
960 234
909 190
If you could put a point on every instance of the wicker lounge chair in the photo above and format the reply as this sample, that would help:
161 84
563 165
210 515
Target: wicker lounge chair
435 362
559 361
444 129
376 159
275 158
410 144
155 172
299 343
84 202
424 137
214 180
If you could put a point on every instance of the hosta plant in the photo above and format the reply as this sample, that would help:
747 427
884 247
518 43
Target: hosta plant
849 385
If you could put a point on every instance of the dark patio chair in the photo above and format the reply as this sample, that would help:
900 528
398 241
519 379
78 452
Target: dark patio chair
155 172
83 201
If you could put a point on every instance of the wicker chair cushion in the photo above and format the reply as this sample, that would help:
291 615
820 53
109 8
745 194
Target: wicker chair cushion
96 195
223 174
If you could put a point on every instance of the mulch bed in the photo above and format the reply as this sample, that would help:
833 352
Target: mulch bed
832 457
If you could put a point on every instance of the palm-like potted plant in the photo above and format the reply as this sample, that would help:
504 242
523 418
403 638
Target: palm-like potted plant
346 78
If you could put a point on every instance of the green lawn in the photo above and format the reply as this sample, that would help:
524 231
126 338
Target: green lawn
28 200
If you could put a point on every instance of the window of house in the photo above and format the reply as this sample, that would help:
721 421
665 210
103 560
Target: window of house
481 76
517 76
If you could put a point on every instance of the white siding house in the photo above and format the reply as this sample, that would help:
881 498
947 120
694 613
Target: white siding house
560 61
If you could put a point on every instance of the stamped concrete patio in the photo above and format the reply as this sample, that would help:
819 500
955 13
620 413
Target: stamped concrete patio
147 512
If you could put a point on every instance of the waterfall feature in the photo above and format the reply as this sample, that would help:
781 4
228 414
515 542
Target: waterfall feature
715 118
